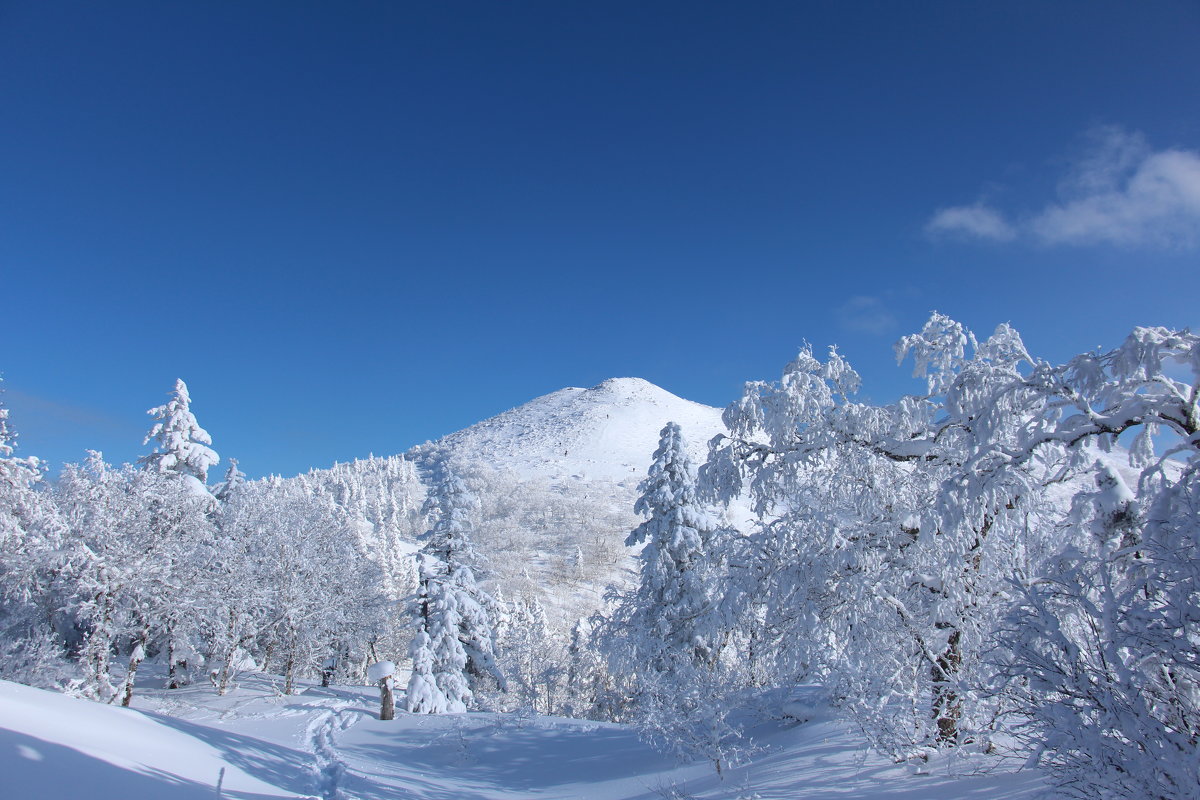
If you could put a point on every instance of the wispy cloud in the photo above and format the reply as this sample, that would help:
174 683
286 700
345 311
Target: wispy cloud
37 418
865 314
1117 191
977 222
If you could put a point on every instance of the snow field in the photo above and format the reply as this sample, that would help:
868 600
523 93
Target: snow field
327 744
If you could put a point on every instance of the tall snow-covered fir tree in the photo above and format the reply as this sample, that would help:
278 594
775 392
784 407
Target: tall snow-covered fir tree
181 445
667 614
450 503
663 638
453 647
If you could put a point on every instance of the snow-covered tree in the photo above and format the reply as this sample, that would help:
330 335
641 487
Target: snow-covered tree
31 533
181 445
452 649
663 637
529 653
590 693
240 606
450 540
666 616
19 505
1101 644
438 684
136 548
326 594
291 590
231 484
884 546
893 539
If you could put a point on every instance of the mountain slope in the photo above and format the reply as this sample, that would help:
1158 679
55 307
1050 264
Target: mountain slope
607 432
553 481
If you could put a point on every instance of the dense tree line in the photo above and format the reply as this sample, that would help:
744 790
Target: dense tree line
317 575
107 566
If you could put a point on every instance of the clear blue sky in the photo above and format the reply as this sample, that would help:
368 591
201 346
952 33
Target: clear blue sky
352 227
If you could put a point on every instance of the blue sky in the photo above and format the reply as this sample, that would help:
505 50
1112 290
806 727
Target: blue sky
353 227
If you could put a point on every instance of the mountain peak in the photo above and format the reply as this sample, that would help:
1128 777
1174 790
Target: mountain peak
625 385
609 432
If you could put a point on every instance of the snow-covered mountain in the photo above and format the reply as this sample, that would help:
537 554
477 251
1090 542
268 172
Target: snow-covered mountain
607 432
553 482
556 480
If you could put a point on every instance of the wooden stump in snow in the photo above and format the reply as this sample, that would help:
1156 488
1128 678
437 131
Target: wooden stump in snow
383 673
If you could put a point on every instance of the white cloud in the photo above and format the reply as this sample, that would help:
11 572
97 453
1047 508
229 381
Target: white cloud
977 221
866 315
1118 191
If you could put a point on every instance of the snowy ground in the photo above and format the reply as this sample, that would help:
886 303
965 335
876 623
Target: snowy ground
327 744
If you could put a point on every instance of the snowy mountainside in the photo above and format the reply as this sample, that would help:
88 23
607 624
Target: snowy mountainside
554 481
607 432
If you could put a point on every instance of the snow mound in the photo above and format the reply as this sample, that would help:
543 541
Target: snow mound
380 670
606 432
53 746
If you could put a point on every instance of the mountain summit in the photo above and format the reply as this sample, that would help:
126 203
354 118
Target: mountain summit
606 432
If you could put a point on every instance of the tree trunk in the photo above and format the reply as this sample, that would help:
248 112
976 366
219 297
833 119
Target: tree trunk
232 644
226 672
99 648
172 671
135 661
387 699
947 705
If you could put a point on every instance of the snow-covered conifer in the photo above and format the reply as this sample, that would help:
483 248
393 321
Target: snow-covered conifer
453 648
181 445
450 503
663 638
589 690
438 684
667 614
233 481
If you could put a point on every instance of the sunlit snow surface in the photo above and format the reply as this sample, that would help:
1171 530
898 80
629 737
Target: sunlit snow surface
327 744
606 432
